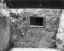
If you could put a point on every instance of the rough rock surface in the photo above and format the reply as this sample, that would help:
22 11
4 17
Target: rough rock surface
60 34
25 36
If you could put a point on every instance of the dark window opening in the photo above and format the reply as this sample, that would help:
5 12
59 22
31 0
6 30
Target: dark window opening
36 21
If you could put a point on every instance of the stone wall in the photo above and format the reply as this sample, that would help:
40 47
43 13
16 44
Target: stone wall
18 28
22 35
60 34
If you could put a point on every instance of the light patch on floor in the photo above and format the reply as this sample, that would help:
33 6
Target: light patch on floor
34 49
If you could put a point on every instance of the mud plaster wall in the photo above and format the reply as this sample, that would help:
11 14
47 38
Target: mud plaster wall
22 35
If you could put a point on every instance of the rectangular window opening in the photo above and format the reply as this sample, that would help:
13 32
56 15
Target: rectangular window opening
36 21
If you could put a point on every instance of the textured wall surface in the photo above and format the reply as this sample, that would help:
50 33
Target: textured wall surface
25 36
20 32
60 34
4 32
